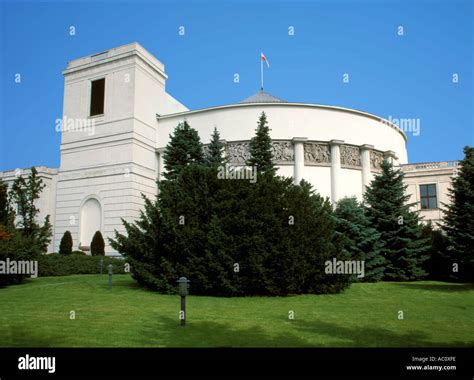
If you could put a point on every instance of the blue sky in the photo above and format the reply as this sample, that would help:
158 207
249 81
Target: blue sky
409 76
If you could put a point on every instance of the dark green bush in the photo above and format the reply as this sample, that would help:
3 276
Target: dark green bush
97 244
229 223
65 247
55 264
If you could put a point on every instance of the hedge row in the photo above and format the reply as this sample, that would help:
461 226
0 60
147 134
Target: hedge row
55 264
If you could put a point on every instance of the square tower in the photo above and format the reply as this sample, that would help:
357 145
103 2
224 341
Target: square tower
108 143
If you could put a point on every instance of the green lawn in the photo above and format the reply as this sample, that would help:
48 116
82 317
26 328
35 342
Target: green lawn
37 314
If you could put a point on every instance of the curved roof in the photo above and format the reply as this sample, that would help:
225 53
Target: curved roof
262 97
279 102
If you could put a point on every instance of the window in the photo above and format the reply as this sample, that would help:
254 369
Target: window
428 196
97 96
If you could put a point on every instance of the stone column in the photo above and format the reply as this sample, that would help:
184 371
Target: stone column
391 157
335 168
298 167
365 160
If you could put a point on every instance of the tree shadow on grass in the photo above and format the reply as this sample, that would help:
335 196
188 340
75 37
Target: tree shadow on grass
168 333
22 336
373 337
445 287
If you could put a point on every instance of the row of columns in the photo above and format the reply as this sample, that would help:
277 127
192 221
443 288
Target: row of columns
334 145
299 163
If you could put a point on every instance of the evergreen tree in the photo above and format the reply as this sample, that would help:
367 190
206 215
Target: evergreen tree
459 219
303 254
261 148
26 240
65 246
360 240
183 149
6 212
214 156
216 233
141 246
97 245
23 194
438 265
400 230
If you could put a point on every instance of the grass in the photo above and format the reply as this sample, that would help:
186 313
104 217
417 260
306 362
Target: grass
37 314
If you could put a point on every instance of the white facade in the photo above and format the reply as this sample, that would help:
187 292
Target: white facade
106 166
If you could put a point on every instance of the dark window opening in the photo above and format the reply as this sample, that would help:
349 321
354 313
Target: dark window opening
97 96
428 196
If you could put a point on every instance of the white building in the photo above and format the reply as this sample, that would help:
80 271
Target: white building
117 118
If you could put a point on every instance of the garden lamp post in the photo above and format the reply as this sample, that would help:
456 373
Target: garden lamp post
110 276
101 265
183 284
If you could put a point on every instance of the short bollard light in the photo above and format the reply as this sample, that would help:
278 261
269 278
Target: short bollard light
101 265
110 276
183 284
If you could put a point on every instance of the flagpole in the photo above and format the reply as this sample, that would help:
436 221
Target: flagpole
261 72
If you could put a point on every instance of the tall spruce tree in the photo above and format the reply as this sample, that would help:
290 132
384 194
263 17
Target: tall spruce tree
215 153
438 265
261 148
400 229
459 220
6 212
360 240
183 149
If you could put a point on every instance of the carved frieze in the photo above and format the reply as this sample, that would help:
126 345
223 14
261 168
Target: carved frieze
316 153
350 155
376 159
283 151
237 152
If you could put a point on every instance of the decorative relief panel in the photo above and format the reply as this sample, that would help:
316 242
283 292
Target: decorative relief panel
376 159
237 152
283 151
316 153
350 155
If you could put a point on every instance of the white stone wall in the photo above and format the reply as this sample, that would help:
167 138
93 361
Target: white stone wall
438 173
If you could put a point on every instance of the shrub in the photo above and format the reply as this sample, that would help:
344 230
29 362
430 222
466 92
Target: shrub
15 246
65 247
232 237
225 224
21 237
55 264
97 245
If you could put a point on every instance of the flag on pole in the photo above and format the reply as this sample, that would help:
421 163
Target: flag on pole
264 59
